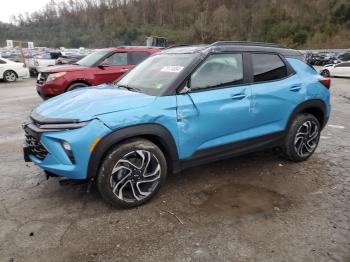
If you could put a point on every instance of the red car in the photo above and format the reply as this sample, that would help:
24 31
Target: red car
104 66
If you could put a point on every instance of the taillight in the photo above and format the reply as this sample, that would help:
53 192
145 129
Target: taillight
326 82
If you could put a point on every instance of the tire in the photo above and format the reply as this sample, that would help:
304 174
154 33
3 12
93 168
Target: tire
325 73
124 170
76 86
10 76
302 138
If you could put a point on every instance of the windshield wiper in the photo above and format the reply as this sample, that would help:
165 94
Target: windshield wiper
130 88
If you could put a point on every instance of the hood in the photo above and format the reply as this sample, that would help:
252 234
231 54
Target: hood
62 68
86 103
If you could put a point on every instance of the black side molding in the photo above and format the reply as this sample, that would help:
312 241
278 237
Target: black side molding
233 149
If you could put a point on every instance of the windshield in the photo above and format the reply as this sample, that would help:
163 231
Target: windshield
92 59
156 73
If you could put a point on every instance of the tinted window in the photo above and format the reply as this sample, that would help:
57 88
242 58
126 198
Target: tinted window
268 67
118 59
218 70
2 62
137 57
55 55
343 65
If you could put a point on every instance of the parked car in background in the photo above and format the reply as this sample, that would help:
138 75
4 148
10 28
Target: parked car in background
10 71
69 59
179 108
104 66
44 60
341 70
344 57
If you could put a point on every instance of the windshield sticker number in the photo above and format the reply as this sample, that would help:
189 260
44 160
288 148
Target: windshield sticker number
172 69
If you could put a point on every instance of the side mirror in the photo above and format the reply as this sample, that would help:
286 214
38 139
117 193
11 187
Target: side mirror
186 88
103 64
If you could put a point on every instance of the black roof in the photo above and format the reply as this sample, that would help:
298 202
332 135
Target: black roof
232 46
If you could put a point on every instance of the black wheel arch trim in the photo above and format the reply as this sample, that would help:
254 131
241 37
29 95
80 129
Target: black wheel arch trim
156 133
77 81
306 105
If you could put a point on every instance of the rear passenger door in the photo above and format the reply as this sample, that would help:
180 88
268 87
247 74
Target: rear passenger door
342 69
276 91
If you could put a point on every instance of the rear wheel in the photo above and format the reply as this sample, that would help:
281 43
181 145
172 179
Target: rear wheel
132 173
76 86
302 138
325 73
10 76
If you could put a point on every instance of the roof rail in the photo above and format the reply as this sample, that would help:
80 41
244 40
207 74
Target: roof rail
136 46
248 43
174 46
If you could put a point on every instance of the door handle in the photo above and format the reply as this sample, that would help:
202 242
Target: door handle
295 88
238 96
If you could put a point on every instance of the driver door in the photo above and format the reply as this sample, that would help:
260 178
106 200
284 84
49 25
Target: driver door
112 68
216 110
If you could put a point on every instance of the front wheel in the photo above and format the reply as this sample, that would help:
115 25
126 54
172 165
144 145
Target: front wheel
76 86
10 76
132 173
302 138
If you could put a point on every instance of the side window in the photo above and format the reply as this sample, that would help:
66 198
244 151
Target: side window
218 70
137 57
2 62
46 56
118 59
55 55
268 67
343 65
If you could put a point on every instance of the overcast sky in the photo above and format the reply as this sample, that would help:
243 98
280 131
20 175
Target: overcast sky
15 7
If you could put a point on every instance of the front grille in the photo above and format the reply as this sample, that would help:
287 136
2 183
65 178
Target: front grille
42 77
35 147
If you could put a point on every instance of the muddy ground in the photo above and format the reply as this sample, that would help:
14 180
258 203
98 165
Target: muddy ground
253 208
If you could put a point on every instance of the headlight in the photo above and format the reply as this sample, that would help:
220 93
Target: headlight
54 76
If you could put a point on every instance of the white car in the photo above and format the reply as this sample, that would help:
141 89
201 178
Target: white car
42 61
11 71
341 69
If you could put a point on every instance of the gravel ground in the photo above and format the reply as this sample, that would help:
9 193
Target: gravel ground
257 207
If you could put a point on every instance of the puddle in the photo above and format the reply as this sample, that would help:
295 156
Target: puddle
239 200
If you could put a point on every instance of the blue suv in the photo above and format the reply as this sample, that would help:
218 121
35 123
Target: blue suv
184 106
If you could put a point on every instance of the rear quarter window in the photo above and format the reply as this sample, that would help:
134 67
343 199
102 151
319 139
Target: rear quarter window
268 67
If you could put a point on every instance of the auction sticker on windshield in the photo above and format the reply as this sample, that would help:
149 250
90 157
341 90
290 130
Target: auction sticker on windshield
172 69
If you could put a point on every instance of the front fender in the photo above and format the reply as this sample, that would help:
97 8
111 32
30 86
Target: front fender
158 134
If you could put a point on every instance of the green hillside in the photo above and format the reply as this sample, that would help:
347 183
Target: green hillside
93 23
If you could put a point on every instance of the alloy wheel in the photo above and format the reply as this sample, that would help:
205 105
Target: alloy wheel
306 138
10 76
135 176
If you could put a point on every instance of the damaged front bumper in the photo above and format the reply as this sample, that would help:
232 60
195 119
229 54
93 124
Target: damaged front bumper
63 152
